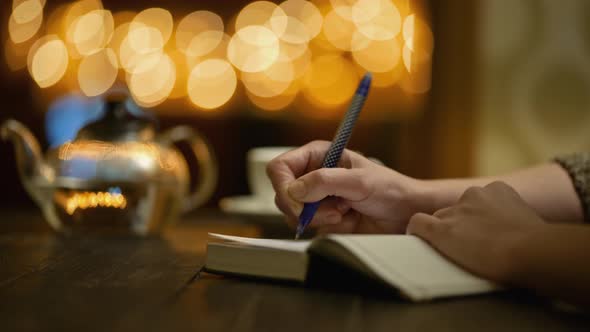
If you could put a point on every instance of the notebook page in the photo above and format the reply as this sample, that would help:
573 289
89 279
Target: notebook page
289 245
412 265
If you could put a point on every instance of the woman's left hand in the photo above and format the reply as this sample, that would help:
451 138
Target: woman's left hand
480 231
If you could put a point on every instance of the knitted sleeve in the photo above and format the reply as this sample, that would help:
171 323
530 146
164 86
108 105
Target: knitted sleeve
578 167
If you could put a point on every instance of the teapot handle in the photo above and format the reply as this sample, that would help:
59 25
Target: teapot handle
205 157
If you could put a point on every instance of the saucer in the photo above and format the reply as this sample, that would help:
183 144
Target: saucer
250 206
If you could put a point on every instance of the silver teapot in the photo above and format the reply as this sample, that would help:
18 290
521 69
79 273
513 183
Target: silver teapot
117 174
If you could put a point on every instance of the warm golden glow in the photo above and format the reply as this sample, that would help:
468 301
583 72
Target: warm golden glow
25 20
141 49
100 150
256 13
86 200
330 81
16 3
275 103
16 55
253 49
27 10
152 86
275 48
92 31
182 71
219 52
48 61
199 33
300 64
341 33
386 79
417 35
379 56
377 19
343 8
97 72
212 83
271 82
157 18
304 12
73 13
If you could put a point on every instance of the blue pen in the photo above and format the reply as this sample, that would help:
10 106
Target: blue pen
337 146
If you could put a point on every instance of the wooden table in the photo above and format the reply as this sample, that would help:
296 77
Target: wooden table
119 283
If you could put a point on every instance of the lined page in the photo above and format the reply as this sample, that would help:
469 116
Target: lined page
289 245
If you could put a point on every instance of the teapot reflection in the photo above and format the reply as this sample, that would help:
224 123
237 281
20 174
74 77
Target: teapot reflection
117 174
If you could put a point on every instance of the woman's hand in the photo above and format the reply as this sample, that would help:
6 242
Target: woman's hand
361 196
481 230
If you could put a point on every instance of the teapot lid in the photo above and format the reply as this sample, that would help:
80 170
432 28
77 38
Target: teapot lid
122 120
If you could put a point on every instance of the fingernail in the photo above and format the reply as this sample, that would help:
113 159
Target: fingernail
297 189
296 207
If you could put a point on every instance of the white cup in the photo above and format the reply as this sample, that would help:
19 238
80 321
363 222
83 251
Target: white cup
257 159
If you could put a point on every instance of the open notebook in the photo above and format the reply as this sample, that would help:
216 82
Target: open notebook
404 262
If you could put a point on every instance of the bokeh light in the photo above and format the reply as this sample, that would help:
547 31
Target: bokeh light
379 56
141 49
341 33
330 81
253 49
219 52
278 102
377 19
48 60
343 8
92 31
257 13
212 83
158 19
97 72
418 35
270 82
152 86
305 12
25 20
319 48
199 33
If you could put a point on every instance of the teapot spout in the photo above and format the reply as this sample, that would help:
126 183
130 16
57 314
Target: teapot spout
32 169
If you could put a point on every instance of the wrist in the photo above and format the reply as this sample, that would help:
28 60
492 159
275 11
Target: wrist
428 196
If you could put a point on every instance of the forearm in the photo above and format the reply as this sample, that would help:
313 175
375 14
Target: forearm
546 188
553 260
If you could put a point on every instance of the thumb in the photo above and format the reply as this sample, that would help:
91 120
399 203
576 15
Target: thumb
349 184
425 227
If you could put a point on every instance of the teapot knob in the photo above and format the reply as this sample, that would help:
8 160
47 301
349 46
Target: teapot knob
203 152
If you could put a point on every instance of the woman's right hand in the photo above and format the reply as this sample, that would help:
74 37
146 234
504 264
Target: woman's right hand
360 195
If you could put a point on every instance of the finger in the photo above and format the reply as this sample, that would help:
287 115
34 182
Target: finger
347 225
503 189
289 207
349 184
330 212
290 165
472 193
444 212
424 226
